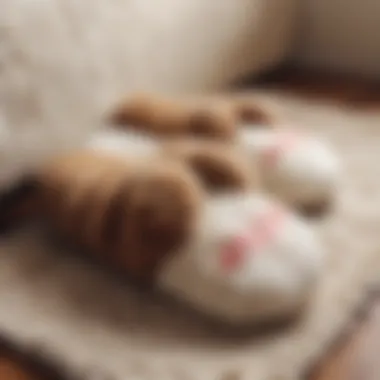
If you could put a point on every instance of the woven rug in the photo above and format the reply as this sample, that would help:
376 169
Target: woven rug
94 326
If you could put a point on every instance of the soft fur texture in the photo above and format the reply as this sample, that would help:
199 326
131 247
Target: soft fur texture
209 117
152 208
131 214
187 215
74 314
219 165
301 170
249 261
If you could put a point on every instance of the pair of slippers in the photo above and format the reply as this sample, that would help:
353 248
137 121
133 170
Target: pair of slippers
203 200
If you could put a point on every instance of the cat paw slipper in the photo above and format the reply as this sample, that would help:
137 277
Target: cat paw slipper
299 169
302 170
248 261
238 256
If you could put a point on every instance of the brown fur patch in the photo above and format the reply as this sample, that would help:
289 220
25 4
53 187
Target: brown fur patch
162 206
218 165
138 110
213 122
133 215
253 113
153 115
207 117
251 110
163 117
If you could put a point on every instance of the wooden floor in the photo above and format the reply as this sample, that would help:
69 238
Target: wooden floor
15 366
11 370
358 358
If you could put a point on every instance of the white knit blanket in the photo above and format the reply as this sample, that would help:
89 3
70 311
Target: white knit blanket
94 325
64 63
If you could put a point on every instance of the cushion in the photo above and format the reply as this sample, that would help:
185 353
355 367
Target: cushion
64 62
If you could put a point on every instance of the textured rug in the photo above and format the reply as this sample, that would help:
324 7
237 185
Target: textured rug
93 326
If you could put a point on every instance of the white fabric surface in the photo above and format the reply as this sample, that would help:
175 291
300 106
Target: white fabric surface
64 62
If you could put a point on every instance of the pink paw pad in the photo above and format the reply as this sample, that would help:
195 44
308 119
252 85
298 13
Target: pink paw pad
284 143
263 231
234 253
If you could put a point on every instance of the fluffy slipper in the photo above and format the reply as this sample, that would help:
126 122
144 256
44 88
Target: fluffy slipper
300 169
249 260
239 258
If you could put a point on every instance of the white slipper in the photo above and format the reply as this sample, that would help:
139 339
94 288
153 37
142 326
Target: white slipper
249 261
122 143
300 170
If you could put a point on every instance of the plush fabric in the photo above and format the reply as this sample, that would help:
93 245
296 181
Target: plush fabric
93 325
63 62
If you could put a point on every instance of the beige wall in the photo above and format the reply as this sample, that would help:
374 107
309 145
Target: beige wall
341 34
